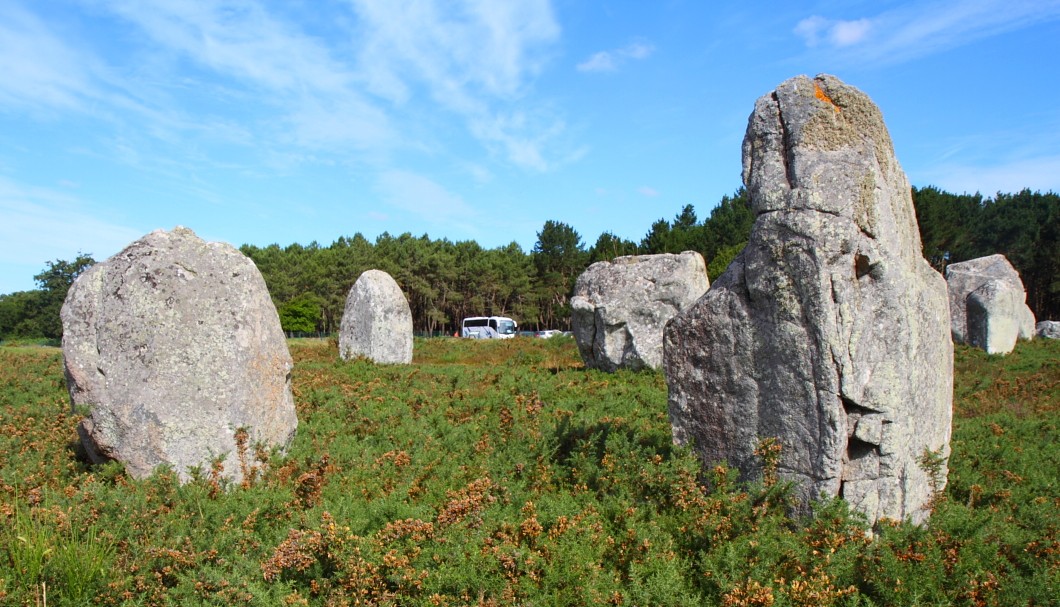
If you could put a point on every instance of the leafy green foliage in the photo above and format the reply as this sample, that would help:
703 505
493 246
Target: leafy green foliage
723 258
36 313
559 257
722 234
1024 227
947 225
301 314
503 472
54 281
608 246
20 314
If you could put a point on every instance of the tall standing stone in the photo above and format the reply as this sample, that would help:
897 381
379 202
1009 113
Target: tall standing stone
619 308
829 331
174 346
377 321
988 304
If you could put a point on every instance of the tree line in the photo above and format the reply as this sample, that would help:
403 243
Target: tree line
1024 227
446 281
35 313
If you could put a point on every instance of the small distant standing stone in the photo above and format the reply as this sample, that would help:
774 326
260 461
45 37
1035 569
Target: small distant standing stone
620 308
1049 329
988 304
174 346
377 321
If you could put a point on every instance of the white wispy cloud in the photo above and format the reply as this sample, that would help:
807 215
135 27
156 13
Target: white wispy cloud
39 69
922 28
836 33
602 61
49 68
846 33
648 191
520 136
330 122
474 58
422 197
240 39
610 61
271 83
315 92
42 224
459 50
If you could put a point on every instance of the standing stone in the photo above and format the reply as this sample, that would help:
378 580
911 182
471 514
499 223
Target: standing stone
993 313
173 345
1049 329
377 321
829 331
988 304
619 308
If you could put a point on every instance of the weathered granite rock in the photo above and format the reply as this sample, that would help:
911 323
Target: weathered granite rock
173 345
1028 328
1049 329
619 308
1002 306
829 331
377 321
993 317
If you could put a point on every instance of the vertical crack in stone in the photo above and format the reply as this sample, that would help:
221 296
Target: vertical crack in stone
785 145
596 344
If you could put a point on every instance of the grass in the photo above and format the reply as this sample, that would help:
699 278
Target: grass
503 472
30 342
1023 383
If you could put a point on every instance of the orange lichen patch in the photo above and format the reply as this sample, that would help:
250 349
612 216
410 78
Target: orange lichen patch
820 94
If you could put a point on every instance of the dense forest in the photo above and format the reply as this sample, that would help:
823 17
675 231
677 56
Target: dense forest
446 281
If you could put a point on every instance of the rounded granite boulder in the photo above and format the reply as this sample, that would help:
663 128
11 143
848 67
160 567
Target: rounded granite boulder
174 349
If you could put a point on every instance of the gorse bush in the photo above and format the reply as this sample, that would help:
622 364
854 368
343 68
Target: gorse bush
502 472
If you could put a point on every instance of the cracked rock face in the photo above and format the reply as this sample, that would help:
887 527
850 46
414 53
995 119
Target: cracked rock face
829 331
173 345
619 308
377 321
988 304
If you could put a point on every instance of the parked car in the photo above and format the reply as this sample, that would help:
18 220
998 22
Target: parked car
548 333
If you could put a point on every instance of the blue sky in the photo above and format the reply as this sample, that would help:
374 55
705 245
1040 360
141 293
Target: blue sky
298 121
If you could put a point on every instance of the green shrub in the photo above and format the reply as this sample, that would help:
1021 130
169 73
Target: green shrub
503 472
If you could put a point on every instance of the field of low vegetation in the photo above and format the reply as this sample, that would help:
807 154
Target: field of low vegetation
504 473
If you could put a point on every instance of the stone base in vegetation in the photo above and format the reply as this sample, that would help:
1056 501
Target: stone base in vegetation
174 348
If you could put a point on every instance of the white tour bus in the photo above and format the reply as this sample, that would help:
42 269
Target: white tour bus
489 327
